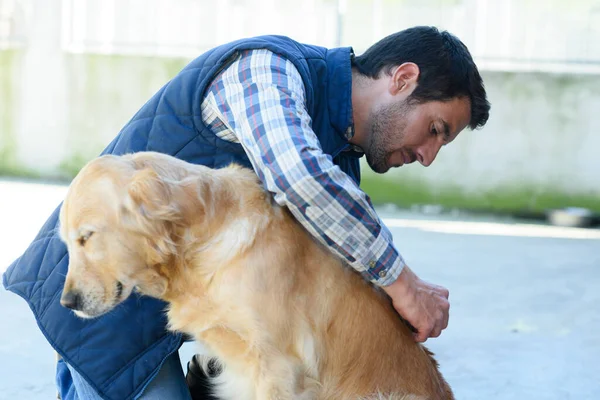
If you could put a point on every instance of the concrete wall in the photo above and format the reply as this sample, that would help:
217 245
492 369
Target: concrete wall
57 117
541 145
9 62
539 149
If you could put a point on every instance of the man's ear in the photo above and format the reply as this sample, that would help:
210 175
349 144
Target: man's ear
404 78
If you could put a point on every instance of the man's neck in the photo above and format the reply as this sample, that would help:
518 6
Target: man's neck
364 95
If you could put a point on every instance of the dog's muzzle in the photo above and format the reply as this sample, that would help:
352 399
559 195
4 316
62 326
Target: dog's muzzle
72 300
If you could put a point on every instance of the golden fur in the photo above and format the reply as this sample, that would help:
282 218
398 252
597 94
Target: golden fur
285 317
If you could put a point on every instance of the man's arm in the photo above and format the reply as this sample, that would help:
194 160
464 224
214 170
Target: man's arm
260 98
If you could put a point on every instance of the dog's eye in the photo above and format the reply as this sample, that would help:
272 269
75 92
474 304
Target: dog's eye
84 238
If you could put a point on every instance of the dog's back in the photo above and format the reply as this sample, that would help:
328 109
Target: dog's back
318 310
361 345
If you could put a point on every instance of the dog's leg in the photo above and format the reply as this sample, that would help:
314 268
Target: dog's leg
283 378
275 376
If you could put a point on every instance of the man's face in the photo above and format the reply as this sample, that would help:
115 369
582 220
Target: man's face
400 132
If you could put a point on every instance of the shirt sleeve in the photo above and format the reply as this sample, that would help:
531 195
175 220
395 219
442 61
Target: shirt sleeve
260 98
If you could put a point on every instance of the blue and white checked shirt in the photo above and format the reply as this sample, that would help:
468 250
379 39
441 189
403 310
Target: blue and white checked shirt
259 101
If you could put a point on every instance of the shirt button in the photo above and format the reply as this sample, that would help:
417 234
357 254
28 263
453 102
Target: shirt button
382 274
372 264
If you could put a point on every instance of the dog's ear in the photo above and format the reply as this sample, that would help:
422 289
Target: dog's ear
152 283
151 208
153 197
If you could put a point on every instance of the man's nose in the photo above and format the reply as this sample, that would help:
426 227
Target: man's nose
426 154
71 299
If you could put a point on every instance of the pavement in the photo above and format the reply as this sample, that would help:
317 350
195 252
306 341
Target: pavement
525 314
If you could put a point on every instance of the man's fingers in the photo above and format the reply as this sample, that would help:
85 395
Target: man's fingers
424 305
437 322
442 291
446 317
446 293
445 310
421 337
424 331
435 333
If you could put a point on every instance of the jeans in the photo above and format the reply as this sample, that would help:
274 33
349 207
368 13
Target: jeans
168 384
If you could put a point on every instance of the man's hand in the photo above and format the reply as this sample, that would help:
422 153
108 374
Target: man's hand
424 305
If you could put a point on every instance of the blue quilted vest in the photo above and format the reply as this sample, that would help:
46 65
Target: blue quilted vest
119 353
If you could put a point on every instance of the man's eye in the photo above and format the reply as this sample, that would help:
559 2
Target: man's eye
84 238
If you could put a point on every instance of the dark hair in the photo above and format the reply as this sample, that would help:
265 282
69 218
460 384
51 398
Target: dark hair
446 67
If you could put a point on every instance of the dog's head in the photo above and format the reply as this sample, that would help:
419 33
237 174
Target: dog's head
118 221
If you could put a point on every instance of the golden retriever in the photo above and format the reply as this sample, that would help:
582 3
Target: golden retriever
286 318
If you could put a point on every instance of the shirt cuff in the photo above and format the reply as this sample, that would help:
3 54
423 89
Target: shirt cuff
382 264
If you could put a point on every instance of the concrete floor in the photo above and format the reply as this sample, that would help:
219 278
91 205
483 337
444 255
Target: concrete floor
525 303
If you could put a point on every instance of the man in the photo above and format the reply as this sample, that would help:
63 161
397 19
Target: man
301 116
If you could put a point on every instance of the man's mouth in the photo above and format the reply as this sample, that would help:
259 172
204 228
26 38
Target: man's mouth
408 157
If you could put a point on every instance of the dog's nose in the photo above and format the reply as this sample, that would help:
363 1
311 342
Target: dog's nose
71 300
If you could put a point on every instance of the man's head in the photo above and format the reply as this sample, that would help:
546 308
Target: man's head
413 92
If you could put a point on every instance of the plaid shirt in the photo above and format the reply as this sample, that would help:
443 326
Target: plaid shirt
259 101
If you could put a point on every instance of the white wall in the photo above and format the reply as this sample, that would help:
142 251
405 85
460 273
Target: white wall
60 105
543 132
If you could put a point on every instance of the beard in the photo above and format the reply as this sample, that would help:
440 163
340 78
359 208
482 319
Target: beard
387 130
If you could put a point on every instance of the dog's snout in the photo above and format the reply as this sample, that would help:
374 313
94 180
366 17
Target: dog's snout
71 299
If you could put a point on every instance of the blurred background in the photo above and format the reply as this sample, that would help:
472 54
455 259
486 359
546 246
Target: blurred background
74 71
525 318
